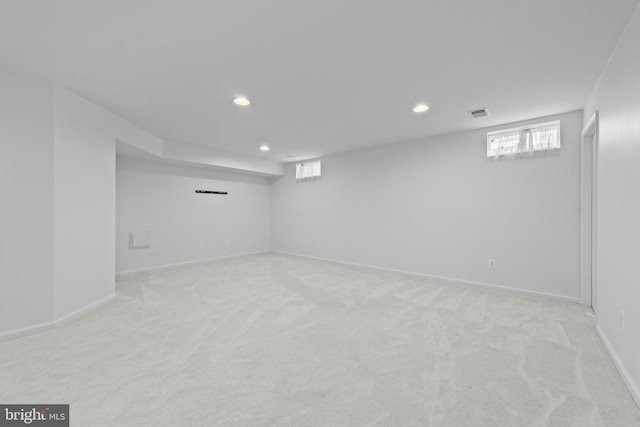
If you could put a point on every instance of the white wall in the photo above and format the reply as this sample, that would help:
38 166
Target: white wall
84 204
26 202
617 98
185 226
439 207
57 220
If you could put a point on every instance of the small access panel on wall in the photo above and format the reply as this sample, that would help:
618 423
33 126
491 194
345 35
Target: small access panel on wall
139 239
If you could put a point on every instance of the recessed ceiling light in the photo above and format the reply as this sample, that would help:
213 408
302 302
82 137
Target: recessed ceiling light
420 108
264 148
241 101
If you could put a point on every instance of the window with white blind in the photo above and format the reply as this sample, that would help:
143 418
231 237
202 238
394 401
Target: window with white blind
524 141
308 171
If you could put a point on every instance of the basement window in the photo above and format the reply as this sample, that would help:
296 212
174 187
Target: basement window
310 171
524 141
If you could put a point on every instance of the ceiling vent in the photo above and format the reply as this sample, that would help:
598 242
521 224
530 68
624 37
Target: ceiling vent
480 112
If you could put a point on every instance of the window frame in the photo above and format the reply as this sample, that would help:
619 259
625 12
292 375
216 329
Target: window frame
519 130
311 165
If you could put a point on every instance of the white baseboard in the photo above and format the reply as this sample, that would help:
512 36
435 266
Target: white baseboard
631 384
26 331
45 326
84 310
184 263
556 297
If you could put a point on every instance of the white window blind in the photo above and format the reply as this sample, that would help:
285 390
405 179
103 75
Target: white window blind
524 141
308 171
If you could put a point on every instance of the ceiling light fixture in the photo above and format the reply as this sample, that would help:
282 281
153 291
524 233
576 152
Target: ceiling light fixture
264 148
420 108
241 101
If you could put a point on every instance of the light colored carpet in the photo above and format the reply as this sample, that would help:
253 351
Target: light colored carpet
274 340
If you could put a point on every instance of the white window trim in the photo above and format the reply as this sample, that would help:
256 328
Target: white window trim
308 171
521 129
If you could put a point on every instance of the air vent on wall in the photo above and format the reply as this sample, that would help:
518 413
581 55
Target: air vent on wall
480 112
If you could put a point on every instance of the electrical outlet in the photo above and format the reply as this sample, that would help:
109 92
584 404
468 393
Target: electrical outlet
622 319
491 263
319 244
226 242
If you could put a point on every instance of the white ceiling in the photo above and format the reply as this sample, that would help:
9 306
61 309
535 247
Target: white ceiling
324 76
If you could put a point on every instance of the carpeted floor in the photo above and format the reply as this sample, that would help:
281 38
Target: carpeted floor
274 340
